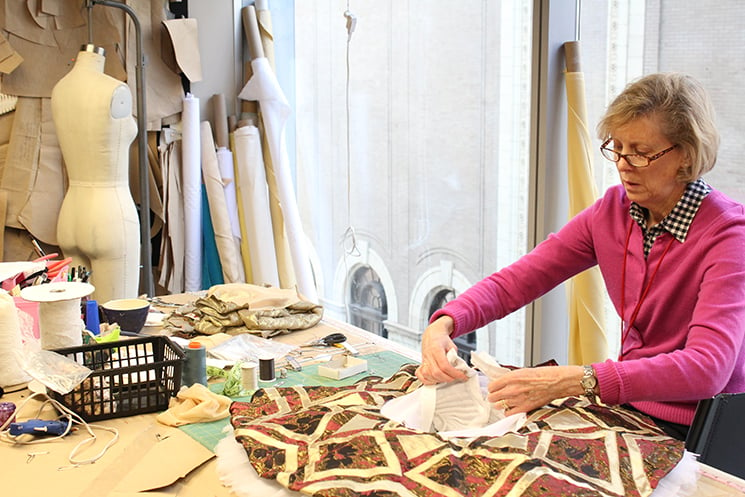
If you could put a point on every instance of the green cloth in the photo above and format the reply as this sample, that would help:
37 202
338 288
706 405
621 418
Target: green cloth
211 266
383 364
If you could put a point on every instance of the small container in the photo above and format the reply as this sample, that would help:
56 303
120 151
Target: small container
7 412
92 317
195 365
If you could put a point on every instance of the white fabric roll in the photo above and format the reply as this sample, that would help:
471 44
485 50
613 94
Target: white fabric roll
192 187
10 344
254 196
264 88
227 171
227 249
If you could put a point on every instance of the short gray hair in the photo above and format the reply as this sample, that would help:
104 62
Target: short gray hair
683 108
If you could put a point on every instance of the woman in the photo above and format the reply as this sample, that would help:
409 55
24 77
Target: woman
672 254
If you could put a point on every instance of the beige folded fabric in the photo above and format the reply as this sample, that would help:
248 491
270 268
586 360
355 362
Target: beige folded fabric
267 311
196 404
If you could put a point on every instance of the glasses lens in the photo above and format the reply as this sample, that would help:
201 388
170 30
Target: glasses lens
637 160
609 154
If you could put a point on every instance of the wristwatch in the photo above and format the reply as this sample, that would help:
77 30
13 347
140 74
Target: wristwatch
589 381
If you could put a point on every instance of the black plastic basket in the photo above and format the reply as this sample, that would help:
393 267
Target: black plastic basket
132 376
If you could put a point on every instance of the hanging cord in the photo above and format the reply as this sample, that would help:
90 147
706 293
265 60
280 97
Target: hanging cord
71 418
349 239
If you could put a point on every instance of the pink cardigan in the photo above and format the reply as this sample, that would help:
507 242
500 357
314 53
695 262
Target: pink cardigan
687 342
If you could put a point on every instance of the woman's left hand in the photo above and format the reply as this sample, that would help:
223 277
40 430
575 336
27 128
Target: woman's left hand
525 389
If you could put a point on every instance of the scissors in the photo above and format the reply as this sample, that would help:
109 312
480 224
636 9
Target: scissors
327 341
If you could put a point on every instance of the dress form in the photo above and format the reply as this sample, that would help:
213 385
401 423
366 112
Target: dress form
98 225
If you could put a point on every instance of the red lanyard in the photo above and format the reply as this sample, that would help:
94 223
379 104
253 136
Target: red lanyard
625 333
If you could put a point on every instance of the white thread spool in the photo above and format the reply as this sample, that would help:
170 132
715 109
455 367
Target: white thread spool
10 344
249 377
60 321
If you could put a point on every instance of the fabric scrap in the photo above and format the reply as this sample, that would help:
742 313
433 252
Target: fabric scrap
195 404
235 308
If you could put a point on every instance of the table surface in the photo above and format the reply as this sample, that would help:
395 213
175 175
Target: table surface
136 461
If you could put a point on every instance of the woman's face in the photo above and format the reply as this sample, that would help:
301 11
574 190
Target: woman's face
656 186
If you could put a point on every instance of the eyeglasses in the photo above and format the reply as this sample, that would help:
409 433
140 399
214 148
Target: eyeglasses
636 160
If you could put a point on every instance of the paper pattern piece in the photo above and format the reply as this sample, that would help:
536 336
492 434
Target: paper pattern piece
185 39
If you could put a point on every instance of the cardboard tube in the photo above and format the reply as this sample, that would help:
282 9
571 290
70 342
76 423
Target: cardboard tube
221 120
251 30
572 56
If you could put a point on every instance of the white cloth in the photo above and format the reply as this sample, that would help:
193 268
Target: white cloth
457 409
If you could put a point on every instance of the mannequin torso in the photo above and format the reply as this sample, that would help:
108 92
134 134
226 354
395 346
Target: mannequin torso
98 225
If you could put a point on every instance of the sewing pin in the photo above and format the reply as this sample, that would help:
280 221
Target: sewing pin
31 455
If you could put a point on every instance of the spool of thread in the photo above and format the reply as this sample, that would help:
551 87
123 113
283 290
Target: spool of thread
11 344
249 377
195 365
92 317
60 322
7 412
266 369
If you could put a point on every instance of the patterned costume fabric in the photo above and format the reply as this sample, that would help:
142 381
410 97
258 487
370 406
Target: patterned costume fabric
332 441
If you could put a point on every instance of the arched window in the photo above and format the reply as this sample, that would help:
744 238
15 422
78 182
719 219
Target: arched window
465 343
368 308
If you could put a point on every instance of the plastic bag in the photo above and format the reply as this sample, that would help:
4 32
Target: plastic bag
246 347
53 370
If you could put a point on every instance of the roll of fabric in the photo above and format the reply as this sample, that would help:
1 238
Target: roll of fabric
275 110
192 188
227 172
254 196
227 248
10 343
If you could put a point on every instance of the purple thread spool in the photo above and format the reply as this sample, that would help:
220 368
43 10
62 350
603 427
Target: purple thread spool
7 412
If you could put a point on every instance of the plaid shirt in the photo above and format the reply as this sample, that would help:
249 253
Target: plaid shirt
679 219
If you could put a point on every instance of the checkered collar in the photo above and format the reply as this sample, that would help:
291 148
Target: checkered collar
681 217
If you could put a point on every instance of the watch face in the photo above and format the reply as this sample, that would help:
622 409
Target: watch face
589 382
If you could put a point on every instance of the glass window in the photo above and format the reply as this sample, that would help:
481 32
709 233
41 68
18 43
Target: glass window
465 343
412 137
368 308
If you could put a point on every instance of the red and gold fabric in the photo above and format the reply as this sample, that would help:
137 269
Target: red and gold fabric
332 441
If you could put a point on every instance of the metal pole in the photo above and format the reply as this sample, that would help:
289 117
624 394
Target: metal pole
146 263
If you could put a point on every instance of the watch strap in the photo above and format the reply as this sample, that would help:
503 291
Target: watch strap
589 382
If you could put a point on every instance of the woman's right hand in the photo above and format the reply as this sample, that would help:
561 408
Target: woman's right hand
436 342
